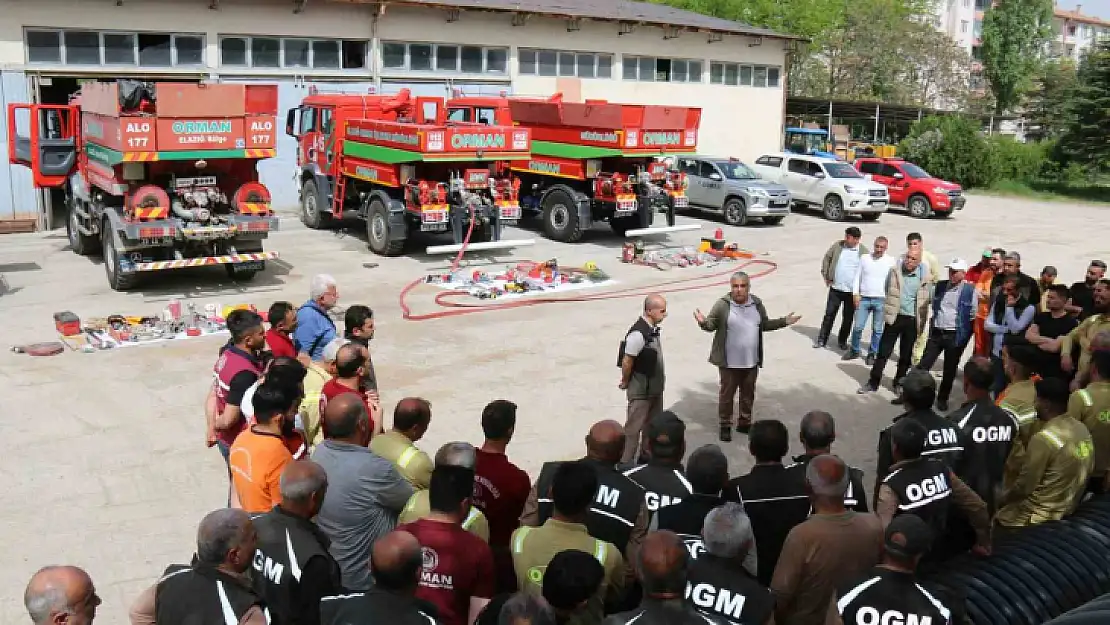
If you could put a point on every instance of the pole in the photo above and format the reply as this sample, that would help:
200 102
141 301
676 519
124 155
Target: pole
876 134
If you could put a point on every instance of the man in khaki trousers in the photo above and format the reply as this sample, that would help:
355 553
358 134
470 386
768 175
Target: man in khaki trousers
642 374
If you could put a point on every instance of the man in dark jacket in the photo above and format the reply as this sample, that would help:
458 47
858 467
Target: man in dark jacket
954 306
840 269
738 321
818 431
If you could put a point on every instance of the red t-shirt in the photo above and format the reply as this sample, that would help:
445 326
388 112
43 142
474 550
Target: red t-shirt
332 389
279 344
457 566
500 490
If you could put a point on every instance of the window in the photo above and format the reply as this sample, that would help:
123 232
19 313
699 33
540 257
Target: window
1071 29
733 74
119 48
796 166
769 161
308 120
155 50
188 49
114 48
707 170
977 29
688 166
868 167
963 26
277 53
772 77
648 69
745 75
759 77
427 57
82 47
565 63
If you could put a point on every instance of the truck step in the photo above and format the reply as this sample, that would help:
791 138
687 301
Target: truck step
204 261
477 247
649 232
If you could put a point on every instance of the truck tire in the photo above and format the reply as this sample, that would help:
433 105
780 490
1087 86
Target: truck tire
118 280
312 213
918 206
560 217
81 244
735 212
240 275
833 207
377 231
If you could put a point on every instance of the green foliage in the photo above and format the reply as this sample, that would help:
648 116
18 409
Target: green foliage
1046 108
1084 142
954 148
1014 35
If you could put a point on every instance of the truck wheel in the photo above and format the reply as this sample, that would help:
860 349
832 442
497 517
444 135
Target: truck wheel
560 217
377 231
833 207
81 244
918 207
773 221
312 213
736 214
113 268
240 275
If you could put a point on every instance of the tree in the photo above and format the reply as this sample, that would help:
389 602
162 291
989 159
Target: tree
1046 107
1015 34
950 148
1088 112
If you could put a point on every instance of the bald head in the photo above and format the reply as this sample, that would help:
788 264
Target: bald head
663 562
55 591
395 560
827 476
605 442
456 454
349 359
225 536
345 417
818 430
654 302
301 482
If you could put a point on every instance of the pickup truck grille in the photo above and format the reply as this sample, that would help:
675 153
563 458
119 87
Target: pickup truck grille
877 193
955 193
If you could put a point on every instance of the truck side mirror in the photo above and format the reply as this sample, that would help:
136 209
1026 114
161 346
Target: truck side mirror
820 175
291 123
715 177
898 175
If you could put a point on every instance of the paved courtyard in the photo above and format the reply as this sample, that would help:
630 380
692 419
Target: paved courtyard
106 465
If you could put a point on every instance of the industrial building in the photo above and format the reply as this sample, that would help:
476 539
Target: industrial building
618 50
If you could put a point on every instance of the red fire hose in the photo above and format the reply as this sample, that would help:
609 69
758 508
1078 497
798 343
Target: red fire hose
444 299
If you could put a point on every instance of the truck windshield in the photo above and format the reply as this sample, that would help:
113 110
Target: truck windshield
735 170
913 171
842 170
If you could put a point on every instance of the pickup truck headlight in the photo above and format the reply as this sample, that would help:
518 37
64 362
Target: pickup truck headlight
940 190
757 191
850 190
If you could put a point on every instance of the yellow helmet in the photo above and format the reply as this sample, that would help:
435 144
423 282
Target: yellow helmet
590 266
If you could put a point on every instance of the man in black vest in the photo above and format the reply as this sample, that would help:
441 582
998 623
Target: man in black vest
396 562
292 567
942 440
818 431
719 585
891 591
774 497
926 487
642 375
661 477
988 432
619 514
216 586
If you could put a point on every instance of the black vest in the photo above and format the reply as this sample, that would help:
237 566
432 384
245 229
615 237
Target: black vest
923 488
616 505
989 433
373 607
775 499
687 517
855 498
285 545
663 485
723 589
188 595
886 596
644 363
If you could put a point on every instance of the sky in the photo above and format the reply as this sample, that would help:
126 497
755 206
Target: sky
1096 8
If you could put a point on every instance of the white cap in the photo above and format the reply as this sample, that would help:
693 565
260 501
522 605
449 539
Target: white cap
331 350
958 264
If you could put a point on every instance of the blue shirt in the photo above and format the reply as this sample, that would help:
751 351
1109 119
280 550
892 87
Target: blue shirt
910 284
314 330
846 270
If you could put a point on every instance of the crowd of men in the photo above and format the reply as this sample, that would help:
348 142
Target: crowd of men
333 520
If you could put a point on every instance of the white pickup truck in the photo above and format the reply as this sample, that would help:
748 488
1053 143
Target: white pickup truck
835 186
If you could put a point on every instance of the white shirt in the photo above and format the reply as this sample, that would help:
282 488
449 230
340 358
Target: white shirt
871 277
846 270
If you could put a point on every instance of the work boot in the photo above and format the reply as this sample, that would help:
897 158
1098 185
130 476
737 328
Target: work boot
867 388
843 345
850 355
870 360
819 343
726 434
743 426
942 404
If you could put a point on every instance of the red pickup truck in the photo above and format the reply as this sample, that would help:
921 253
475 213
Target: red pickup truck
913 187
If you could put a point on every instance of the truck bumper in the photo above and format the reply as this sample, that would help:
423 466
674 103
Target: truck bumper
860 207
203 261
765 209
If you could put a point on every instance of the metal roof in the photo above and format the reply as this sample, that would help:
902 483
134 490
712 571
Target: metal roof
607 10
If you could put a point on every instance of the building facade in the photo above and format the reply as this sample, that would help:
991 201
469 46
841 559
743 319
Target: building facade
734 72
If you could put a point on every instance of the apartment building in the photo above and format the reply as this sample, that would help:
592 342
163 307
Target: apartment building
1075 33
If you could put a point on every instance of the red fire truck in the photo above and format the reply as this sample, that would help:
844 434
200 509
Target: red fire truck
156 176
397 163
594 160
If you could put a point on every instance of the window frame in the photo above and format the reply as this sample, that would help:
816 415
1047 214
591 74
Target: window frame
283 64
671 63
434 55
532 67
102 60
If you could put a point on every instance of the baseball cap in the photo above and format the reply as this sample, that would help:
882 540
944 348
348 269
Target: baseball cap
958 264
988 252
331 350
907 536
666 432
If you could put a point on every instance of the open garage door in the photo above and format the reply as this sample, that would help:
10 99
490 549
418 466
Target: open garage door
279 174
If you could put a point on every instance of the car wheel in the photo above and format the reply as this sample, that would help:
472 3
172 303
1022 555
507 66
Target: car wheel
736 214
918 207
833 208
560 217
